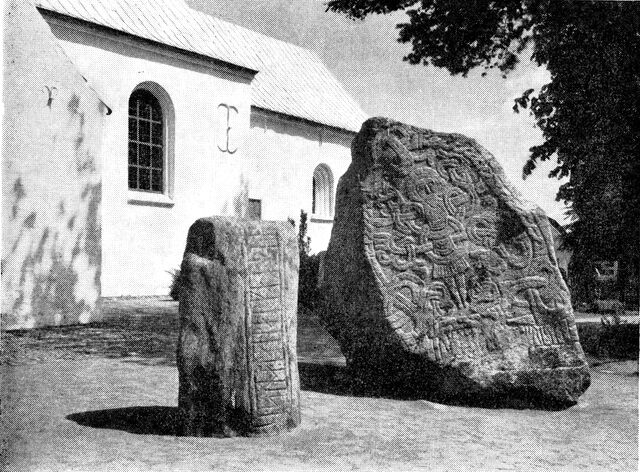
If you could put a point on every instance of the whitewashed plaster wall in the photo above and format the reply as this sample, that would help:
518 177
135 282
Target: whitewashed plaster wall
283 154
51 191
144 234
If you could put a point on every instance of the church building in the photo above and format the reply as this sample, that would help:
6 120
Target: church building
126 120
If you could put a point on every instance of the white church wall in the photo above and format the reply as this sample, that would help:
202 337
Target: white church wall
282 158
144 234
51 192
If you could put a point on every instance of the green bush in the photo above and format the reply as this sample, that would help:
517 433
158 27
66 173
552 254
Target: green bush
613 341
308 292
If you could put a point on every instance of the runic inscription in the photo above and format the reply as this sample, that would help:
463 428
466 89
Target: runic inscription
237 351
450 258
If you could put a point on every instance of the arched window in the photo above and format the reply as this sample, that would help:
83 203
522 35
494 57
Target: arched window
322 188
147 165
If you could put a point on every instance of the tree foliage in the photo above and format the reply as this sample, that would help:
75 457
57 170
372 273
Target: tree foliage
589 112
308 291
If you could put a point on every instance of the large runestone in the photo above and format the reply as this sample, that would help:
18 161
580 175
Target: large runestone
441 282
237 361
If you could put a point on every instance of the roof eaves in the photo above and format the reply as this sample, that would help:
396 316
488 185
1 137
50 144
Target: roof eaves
302 120
63 54
561 229
107 29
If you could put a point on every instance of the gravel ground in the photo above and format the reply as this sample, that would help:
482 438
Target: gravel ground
103 397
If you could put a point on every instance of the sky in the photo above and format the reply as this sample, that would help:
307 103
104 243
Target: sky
367 59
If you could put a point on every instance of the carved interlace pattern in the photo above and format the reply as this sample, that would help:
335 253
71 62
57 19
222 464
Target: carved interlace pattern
456 251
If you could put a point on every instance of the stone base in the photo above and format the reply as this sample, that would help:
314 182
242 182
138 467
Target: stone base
406 376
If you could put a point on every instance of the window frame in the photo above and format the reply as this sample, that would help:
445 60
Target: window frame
156 107
322 194
147 197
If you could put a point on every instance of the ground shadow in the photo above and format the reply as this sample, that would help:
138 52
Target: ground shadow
145 335
324 378
156 420
337 380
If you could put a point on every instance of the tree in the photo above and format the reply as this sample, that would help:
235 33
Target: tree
589 112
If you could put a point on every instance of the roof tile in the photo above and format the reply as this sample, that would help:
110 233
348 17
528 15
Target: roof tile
291 80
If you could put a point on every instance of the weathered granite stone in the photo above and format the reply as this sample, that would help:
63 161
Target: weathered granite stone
237 359
440 282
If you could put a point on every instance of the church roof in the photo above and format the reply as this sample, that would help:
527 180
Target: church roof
290 80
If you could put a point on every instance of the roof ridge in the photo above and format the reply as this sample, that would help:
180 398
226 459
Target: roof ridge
250 31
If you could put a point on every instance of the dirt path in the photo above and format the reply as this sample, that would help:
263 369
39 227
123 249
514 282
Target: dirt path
103 398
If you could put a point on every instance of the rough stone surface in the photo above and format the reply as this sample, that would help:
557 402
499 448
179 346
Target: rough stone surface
440 282
237 358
